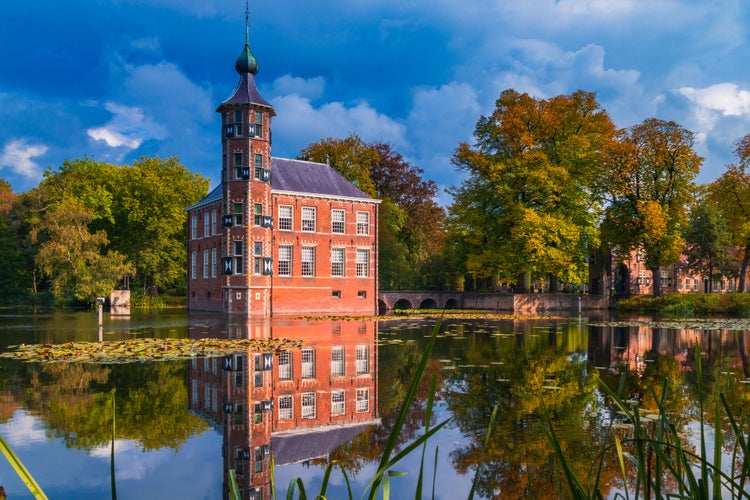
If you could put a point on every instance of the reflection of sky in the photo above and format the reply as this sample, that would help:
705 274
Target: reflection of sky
74 474
448 485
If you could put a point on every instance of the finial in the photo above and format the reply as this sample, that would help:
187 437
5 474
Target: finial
247 22
246 62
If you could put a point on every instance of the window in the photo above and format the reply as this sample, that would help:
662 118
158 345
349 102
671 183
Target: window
258 123
363 263
238 165
213 222
285 407
213 262
258 168
237 248
337 403
193 264
338 221
362 294
308 405
716 285
258 370
285 217
337 361
285 260
336 294
308 219
238 122
337 261
285 366
238 379
237 211
695 284
308 363
258 459
206 225
363 359
238 413
258 257
205 264
308 261
363 400
258 214
363 223
193 227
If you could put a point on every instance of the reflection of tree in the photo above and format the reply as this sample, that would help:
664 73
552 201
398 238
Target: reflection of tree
74 401
518 461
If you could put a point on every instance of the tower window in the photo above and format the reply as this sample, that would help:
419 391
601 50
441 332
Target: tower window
237 214
237 247
259 124
238 122
238 165
258 170
258 214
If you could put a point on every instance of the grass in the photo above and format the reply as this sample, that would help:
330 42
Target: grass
689 304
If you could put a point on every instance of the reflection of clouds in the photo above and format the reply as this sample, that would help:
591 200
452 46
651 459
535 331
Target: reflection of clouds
24 430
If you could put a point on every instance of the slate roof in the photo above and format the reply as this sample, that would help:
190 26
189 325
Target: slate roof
305 444
308 177
301 177
246 93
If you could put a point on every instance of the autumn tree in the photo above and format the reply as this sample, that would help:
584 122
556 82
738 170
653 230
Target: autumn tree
731 193
410 219
648 175
707 241
14 271
528 205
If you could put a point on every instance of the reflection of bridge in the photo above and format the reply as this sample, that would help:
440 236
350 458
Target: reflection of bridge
388 301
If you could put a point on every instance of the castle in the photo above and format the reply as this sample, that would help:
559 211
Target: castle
278 236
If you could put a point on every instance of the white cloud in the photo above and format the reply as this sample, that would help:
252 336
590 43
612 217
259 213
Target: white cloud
128 128
18 154
24 430
311 88
300 123
726 99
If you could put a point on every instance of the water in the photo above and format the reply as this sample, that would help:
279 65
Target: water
179 426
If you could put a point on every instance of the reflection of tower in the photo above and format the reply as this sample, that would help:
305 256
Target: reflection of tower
299 405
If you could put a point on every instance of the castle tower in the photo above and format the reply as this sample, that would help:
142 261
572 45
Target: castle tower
246 193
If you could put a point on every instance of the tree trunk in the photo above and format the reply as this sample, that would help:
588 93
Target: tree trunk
552 283
743 268
656 278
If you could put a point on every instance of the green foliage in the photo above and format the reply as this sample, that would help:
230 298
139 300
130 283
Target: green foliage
737 304
529 203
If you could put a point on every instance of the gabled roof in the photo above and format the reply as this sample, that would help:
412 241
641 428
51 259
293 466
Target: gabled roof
306 177
211 197
305 444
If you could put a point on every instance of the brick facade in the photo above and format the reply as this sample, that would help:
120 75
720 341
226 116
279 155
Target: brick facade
278 236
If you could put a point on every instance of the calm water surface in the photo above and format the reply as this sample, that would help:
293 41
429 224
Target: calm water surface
179 426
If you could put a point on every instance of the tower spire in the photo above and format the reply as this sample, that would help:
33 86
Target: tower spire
246 62
247 22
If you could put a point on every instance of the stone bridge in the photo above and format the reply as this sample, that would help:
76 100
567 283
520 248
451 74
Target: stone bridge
390 300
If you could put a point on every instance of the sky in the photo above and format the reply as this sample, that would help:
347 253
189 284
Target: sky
115 80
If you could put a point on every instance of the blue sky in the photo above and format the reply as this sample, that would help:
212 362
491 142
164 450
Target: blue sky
118 79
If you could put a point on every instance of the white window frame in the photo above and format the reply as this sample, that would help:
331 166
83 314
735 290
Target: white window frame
206 225
193 264
308 363
213 222
363 263
338 361
286 407
285 365
285 260
213 262
308 219
363 400
338 221
308 261
338 261
194 227
308 403
205 263
363 359
338 402
286 217
363 223
238 256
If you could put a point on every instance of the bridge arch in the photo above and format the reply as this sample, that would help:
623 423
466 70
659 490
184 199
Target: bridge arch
428 303
403 304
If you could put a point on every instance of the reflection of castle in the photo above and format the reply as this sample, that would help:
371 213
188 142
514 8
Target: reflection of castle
297 405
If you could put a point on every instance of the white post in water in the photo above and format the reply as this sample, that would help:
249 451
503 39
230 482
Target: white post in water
100 308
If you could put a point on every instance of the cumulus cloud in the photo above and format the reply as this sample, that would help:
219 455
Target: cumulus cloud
18 154
300 123
128 128
726 99
311 88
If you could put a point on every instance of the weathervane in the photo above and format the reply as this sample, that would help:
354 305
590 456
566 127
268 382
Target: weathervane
247 22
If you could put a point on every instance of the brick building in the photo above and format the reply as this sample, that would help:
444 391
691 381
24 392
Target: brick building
278 236
298 405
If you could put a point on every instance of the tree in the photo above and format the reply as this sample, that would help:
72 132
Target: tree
529 204
14 271
410 219
731 193
707 242
648 174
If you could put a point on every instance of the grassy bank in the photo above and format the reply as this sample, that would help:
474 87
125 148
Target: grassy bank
689 304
